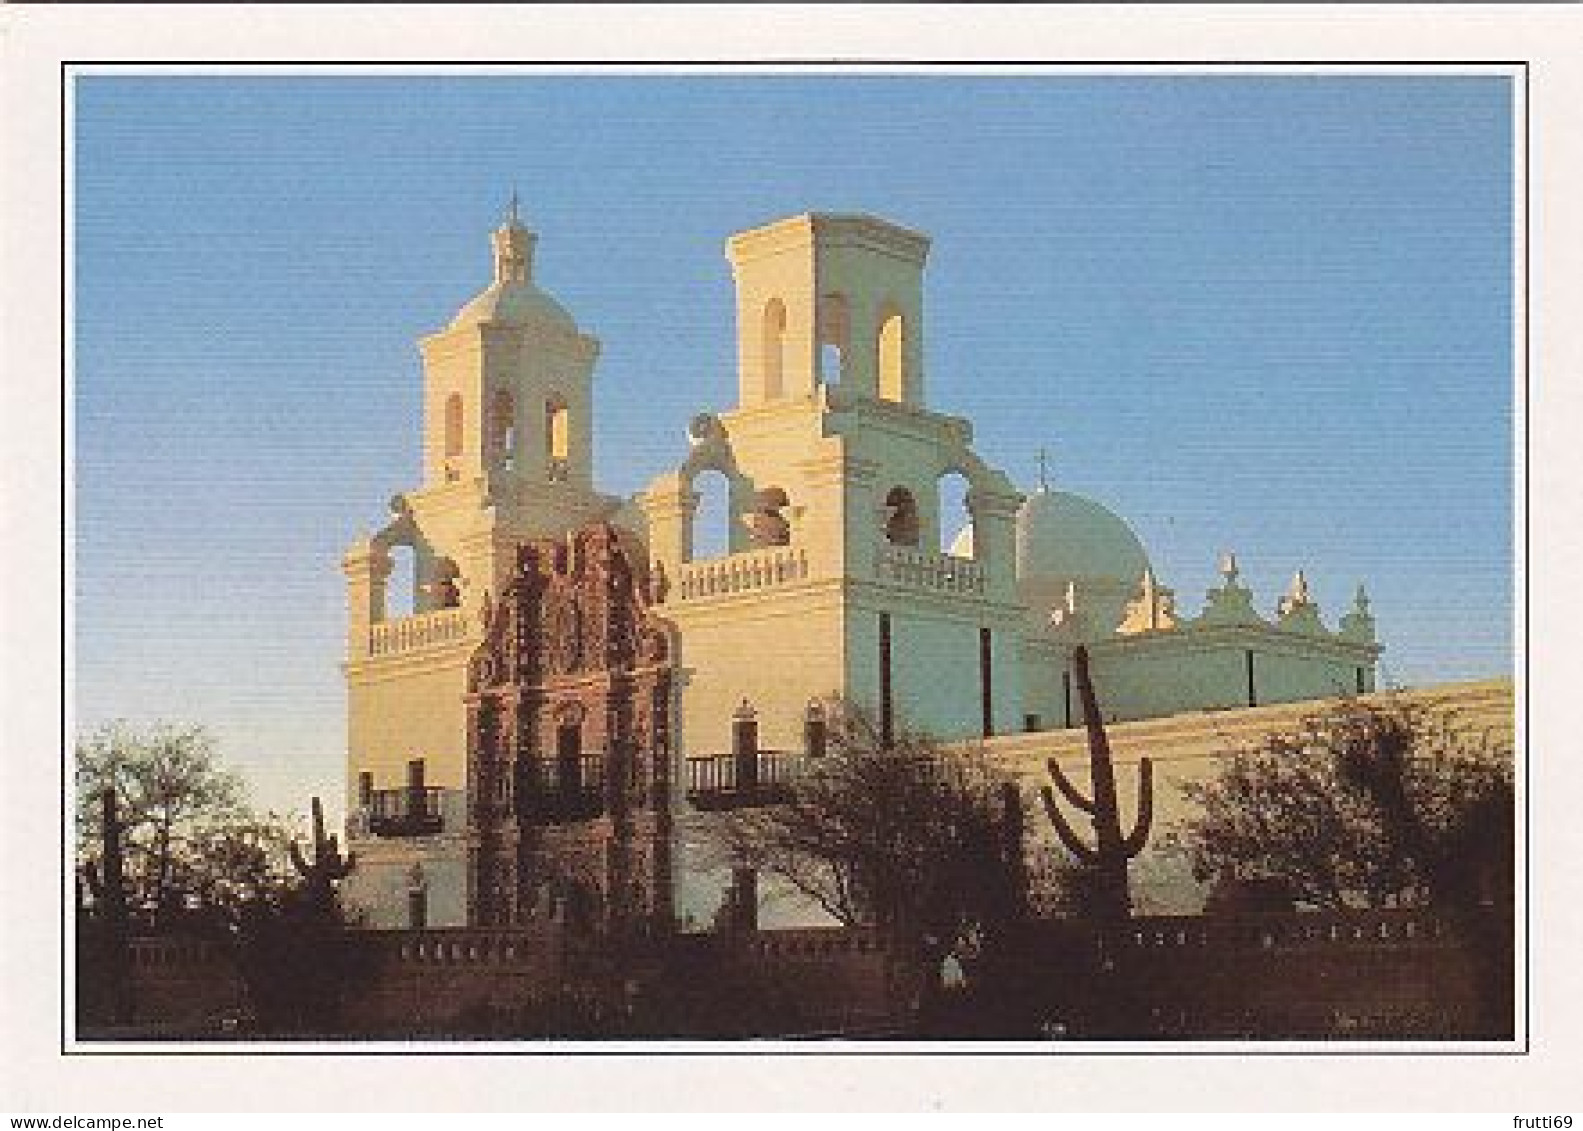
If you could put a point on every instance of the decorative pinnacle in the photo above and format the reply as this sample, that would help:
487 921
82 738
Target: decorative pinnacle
1044 469
1361 601
1228 568
512 218
1298 594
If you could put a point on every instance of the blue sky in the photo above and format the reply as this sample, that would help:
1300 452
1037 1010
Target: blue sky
1262 313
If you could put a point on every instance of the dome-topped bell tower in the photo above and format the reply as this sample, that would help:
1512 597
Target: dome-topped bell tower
507 458
508 384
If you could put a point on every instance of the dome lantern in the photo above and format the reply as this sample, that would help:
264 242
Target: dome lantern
512 298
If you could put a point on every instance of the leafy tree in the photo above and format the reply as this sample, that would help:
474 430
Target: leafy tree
191 846
1361 806
923 842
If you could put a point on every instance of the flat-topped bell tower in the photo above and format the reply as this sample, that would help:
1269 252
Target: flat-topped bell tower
832 467
828 299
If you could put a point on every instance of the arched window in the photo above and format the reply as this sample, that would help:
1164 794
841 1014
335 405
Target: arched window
503 428
901 517
774 349
954 515
557 436
892 357
453 425
835 327
711 533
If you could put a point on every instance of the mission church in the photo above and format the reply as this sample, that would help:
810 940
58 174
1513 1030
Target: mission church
580 678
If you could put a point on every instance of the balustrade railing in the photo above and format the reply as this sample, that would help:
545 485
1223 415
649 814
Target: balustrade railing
418 632
554 791
947 573
741 573
406 811
1274 931
735 781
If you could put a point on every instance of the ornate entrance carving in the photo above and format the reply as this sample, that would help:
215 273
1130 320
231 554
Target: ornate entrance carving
569 711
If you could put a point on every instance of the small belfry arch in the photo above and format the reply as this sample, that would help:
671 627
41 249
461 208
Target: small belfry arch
902 521
892 352
403 590
453 425
955 509
773 343
834 326
503 428
557 435
710 530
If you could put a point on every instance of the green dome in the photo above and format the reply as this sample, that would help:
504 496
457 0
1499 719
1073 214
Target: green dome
1071 538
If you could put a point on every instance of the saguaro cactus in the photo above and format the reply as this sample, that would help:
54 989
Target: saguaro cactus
1108 856
327 865
107 878
107 881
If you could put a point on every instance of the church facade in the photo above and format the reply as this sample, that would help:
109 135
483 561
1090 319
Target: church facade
579 678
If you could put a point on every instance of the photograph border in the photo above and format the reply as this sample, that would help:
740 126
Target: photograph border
1518 70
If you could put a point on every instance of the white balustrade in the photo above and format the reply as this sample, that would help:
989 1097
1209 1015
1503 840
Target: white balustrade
418 632
944 572
741 573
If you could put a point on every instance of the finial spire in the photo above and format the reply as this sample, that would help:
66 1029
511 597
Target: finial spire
1299 590
1297 599
1359 623
513 245
1044 469
1228 568
1153 610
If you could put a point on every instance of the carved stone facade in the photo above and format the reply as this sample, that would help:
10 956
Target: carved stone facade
569 740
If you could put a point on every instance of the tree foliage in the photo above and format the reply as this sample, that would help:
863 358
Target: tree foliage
192 847
921 841
1361 806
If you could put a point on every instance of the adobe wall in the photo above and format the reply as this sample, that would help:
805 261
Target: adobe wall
1386 974
1194 748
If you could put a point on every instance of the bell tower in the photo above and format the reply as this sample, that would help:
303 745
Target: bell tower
829 300
507 442
508 384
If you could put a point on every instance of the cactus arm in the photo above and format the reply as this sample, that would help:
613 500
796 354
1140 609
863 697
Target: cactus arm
1068 790
297 860
1140 831
1074 843
318 826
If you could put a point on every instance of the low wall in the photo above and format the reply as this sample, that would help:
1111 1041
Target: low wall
1381 974
430 981
848 978
1387 974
